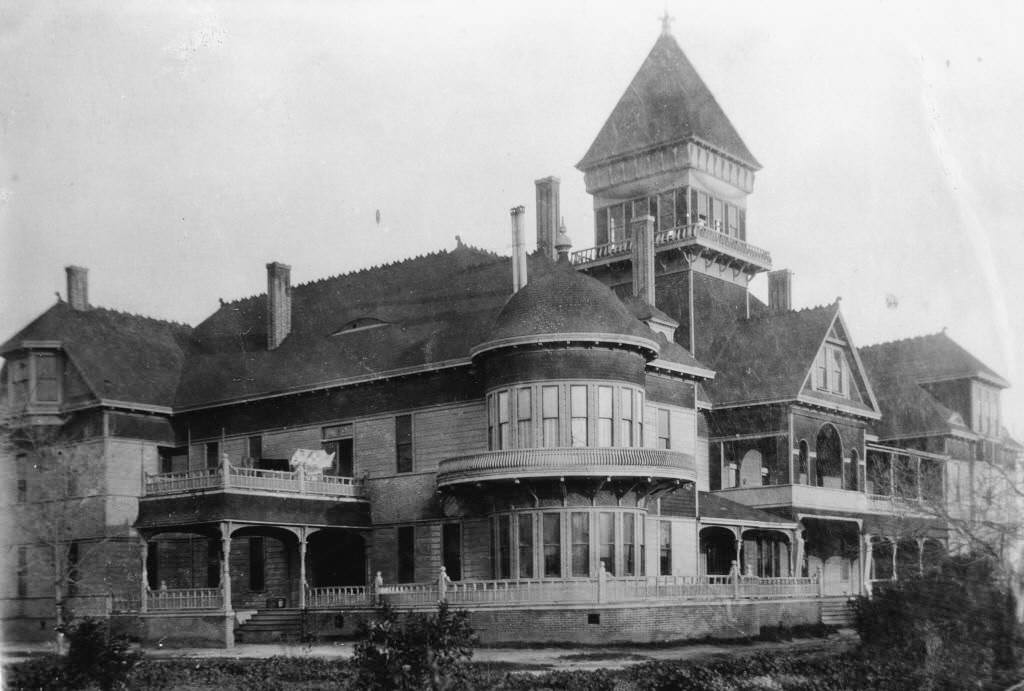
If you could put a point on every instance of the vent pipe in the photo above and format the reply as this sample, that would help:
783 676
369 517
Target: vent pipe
279 303
518 249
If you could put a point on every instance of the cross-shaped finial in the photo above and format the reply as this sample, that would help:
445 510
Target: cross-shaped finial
666 23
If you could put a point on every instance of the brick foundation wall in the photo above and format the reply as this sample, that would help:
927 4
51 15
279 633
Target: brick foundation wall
638 624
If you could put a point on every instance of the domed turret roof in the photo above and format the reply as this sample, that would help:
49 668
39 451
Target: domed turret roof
562 304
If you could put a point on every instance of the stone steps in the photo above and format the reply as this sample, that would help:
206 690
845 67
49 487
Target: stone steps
270 626
836 612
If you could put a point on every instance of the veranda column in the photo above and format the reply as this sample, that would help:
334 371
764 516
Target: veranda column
868 562
144 584
302 569
895 548
920 556
798 553
225 584
739 551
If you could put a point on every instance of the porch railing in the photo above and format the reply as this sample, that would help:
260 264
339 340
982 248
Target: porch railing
339 596
177 599
258 479
568 591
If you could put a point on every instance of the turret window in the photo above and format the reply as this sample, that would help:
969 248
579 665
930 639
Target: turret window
568 543
568 414
671 209
524 417
605 418
550 419
578 408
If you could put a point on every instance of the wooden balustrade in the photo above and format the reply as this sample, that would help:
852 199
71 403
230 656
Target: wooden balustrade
692 233
178 599
257 479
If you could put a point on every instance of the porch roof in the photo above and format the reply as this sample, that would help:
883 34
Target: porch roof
711 506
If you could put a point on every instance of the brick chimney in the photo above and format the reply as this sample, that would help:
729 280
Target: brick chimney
78 287
279 303
643 258
780 290
518 249
548 214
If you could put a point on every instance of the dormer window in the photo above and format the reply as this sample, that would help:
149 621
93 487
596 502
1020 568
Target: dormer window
47 380
35 378
360 324
831 371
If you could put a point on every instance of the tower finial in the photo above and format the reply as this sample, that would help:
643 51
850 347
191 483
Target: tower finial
666 23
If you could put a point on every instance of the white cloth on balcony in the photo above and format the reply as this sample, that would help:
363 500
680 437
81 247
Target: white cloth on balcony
312 460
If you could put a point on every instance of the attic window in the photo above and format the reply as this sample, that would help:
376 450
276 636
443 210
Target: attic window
360 324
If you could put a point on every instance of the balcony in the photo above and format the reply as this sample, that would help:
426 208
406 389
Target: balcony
822 499
711 243
230 477
206 497
513 464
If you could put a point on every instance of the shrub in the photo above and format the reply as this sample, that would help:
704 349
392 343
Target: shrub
414 652
95 658
955 624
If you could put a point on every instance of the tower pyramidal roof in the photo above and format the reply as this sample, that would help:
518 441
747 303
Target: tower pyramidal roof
666 102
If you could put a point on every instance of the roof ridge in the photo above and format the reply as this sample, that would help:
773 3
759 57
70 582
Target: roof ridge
371 268
905 339
134 315
803 310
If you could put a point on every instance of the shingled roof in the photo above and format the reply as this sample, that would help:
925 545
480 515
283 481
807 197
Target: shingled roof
563 300
666 102
426 310
931 358
122 357
768 357
908 410
405 316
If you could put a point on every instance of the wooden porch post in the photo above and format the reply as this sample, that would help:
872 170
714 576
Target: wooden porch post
895 548
225 564
302 568
867 562
920 556
798 553
144 584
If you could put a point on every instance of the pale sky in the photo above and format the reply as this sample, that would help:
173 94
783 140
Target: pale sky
175 148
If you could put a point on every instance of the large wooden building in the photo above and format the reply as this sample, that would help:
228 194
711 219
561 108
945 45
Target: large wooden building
618 442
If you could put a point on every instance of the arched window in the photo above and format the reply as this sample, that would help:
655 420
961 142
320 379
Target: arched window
829 461
802 477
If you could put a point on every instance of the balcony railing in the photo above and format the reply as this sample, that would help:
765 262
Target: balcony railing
825 498
231 477
681 236
562 461
605 589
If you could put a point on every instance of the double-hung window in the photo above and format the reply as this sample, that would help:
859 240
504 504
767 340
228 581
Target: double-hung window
524 417
578 413
403 443
340 440
549 405
605 419
664 429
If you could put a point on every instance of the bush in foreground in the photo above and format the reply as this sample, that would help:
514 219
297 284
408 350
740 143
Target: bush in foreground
415 651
